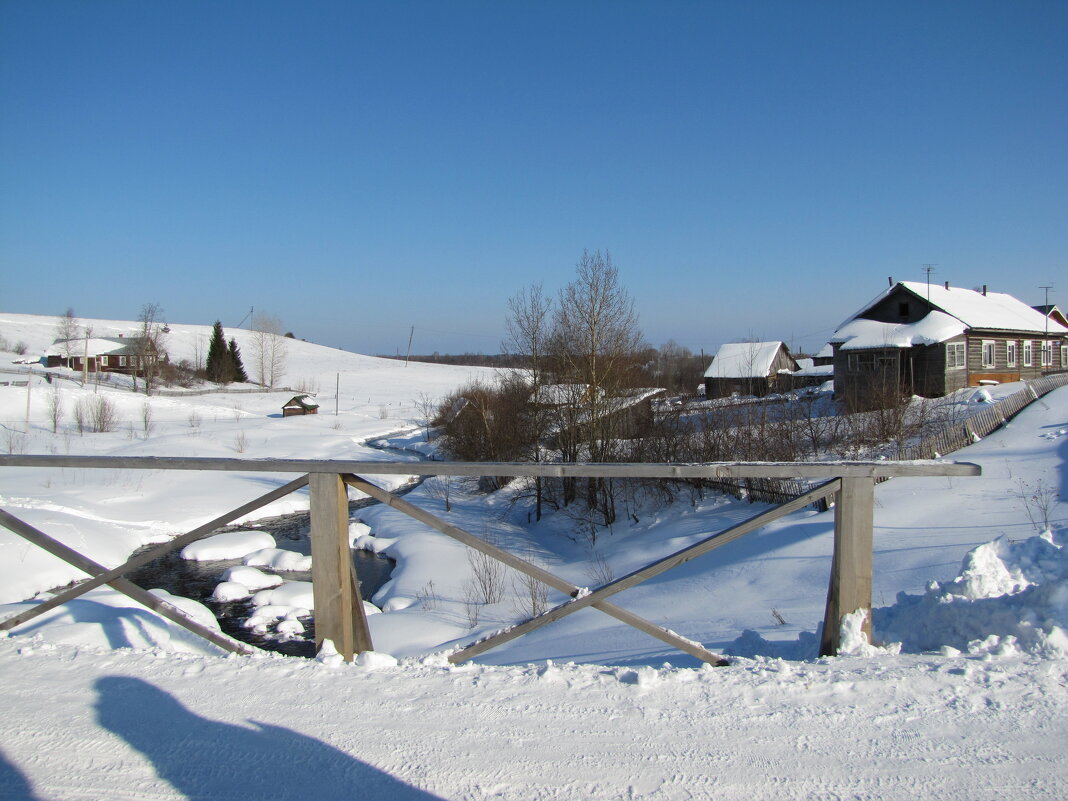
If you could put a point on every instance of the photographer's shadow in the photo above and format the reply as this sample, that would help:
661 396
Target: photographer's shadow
205 759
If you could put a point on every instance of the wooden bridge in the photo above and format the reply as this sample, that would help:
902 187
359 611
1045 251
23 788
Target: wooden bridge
339 614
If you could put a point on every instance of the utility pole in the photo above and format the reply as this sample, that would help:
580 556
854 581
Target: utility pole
29 380
411 335
85 359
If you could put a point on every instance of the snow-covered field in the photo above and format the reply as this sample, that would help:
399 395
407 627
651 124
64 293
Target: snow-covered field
102 699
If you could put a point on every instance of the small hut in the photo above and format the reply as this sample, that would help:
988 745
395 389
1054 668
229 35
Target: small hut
300 404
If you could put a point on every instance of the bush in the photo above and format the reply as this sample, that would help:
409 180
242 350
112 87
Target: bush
97 413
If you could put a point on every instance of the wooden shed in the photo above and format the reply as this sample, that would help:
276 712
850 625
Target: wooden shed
300 404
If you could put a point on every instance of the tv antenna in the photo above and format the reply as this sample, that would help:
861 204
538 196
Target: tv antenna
929 268
1046 311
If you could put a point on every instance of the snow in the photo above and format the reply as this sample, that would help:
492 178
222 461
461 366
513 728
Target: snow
279 559
230 545
961 695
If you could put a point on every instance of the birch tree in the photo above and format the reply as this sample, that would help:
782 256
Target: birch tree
269 348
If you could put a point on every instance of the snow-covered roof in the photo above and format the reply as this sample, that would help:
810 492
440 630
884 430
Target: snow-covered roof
560 394
814 370
955 311
993 310
934 328
743 360
826 352
97 346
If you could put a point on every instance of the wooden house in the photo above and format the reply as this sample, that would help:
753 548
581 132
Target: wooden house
932 340
126 355
749 368
300 404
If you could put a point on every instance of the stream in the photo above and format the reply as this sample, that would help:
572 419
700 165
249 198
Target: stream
197 580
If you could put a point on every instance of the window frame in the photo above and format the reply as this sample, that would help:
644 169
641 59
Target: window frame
956 355
1045 357
988 348
1012 355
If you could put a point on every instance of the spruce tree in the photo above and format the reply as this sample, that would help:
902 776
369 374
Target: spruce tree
237 367
218 366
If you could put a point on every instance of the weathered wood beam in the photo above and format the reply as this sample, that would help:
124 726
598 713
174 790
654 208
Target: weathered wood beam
654 569
125 586
339 614
711 470
851 565
521 565
144 558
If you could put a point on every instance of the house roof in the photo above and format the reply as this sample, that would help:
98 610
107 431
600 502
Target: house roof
560 394
97 346
954 312
743 360
300 401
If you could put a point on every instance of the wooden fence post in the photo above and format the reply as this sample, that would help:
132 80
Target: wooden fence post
851 566
339 614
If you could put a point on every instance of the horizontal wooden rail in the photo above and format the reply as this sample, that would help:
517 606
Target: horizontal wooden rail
872 469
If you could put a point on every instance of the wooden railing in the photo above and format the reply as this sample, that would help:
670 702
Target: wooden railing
338 607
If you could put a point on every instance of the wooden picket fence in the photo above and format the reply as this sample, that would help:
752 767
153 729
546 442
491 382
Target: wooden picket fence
955 436
942 442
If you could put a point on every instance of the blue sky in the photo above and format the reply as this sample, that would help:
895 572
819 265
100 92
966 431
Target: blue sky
755 169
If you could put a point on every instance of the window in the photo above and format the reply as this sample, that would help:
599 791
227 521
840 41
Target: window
988 353
1028 352
1047 354
1064 356
122 361
860 361
103 361
956 355
903 309
1010 353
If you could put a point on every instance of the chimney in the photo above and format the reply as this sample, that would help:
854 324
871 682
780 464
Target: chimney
891 280
984 290
947 286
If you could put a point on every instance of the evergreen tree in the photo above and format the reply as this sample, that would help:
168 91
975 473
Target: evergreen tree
237 367
218 366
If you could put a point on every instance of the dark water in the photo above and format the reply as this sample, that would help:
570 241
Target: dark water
197 580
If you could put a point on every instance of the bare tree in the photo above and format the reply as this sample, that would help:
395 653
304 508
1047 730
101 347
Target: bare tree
55 407
594 344
150 347
68 331
530 313
269 348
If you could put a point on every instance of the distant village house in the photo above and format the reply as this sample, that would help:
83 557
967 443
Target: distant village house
300 404
750 368
126 355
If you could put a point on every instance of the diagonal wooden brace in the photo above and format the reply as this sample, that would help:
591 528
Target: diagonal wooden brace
107 576
124 586
654 569
514 562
